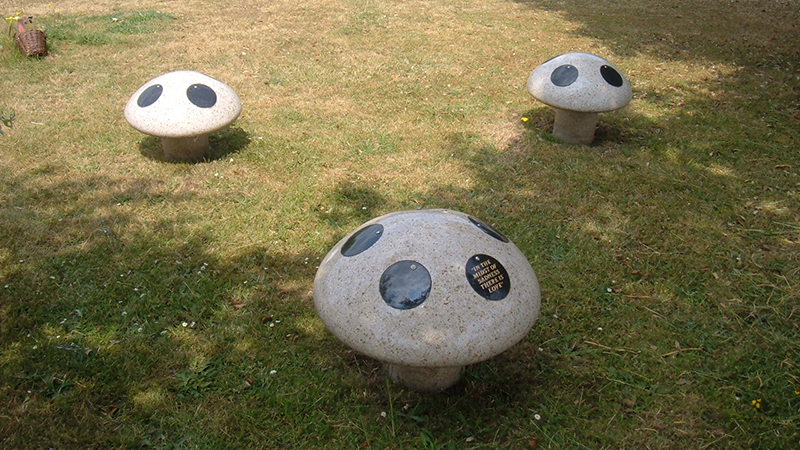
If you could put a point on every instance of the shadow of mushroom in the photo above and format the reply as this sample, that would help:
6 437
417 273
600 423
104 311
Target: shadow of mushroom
223 143
350 203
615 128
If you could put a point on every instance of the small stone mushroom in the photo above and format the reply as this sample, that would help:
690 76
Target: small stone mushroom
579 86
427 292
183 108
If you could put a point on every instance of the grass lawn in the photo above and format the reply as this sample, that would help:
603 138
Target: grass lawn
146 304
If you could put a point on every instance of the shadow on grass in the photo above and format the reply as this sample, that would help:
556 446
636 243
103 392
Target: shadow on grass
754 41
669 231
113 318
117 320
349 202
222 143
686 30
641 221
612 129
648 237
665 231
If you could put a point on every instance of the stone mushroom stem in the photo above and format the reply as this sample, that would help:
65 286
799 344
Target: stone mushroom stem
185 149
575 127
425 379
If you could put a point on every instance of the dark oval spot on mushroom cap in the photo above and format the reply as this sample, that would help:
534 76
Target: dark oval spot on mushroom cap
488 277
488 229
405 285
149 95
611 76
201 95
362 239
564 75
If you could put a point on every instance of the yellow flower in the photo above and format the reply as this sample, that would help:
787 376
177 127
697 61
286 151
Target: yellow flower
524 119
756 403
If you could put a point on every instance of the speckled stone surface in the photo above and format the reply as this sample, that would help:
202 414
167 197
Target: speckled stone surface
580 82
480 295
182 104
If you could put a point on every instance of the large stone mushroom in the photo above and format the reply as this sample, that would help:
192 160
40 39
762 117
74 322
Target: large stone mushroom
427 292
579 86
183 108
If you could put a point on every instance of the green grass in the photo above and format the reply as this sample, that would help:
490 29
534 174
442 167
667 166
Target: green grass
103 29
145 304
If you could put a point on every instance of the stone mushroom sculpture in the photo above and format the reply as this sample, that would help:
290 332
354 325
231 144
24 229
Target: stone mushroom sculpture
183 108
427 292
579 86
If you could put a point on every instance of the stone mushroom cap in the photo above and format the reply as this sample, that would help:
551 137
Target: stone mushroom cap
182 104
429 288
580 82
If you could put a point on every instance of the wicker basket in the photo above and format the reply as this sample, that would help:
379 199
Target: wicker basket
32 43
